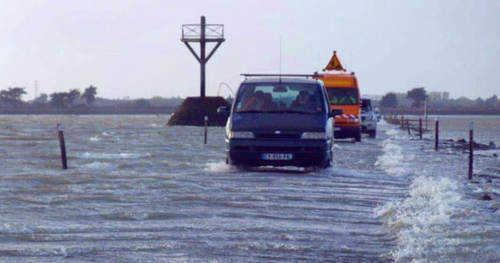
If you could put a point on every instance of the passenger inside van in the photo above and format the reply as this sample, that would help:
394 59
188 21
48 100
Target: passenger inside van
278 99
254 102
303 102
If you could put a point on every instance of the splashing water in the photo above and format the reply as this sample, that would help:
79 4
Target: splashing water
426 222
393 161
164 195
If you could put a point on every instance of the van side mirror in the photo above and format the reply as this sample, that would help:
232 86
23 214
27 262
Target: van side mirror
336 112
223 110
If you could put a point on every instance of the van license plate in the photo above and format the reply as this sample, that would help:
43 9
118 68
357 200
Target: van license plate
336 129
277 156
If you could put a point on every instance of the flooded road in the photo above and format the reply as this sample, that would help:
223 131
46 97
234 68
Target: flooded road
139 191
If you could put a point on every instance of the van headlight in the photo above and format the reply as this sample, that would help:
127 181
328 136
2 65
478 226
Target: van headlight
314 135
240 135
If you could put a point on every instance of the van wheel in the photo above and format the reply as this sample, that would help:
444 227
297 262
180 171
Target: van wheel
328 162
357 137
372 134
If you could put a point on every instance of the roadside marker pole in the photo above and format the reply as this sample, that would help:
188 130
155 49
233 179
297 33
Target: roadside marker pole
425 113
206 130
471 149
62 146
436 136
420 127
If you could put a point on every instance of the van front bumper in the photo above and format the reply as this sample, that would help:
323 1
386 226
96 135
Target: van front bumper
249 152
342 132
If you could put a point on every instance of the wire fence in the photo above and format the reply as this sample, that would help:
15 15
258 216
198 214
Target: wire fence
418 126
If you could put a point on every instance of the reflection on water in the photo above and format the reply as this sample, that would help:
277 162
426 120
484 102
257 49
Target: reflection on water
138 190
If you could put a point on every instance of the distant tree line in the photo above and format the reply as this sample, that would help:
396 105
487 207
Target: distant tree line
12 97
414 100
75 102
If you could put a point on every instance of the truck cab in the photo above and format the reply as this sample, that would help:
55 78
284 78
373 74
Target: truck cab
279 121
343 95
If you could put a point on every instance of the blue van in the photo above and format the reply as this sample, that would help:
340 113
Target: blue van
279 121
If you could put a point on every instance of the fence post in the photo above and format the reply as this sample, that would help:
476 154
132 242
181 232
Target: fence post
206 129
402 122
420 127
471 149
62 146
408 127
436 135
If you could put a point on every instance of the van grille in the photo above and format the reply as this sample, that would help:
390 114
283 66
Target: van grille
285 149
284 135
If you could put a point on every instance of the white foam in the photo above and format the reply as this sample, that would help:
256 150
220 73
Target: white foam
93 155
391 132
421 221
392 159
494 153
97 165
95 138
218 167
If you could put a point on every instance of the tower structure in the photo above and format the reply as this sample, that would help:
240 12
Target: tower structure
202 33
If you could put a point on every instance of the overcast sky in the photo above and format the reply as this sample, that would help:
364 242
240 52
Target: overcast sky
133 48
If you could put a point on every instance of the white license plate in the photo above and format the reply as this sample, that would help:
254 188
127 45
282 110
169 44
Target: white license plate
336 129
277 156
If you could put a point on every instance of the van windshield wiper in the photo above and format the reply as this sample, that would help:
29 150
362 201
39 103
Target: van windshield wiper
277 111
291 111
250 111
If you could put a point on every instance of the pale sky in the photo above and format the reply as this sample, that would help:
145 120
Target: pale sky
133 48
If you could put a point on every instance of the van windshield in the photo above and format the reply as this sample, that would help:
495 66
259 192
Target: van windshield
343 96
280 98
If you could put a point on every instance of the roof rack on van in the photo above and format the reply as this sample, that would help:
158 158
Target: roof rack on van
246 75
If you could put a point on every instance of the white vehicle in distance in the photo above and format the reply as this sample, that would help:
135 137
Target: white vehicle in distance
368 118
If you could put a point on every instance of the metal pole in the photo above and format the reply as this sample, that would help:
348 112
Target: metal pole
420 128
202 57
471 149
436 136
206 130
426 118
62 146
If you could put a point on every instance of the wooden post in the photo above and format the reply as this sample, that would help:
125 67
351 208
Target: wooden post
425 113
206 130
471 149
62 146
402 122
420 128
408 127
436 135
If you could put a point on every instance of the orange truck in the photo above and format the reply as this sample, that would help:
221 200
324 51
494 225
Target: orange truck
343 94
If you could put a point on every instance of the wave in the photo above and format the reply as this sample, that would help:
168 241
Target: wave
98 165
393 161
218 167
94 155
431 223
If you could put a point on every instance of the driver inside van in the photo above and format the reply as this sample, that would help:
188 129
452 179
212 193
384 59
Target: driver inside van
303 102
254 102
